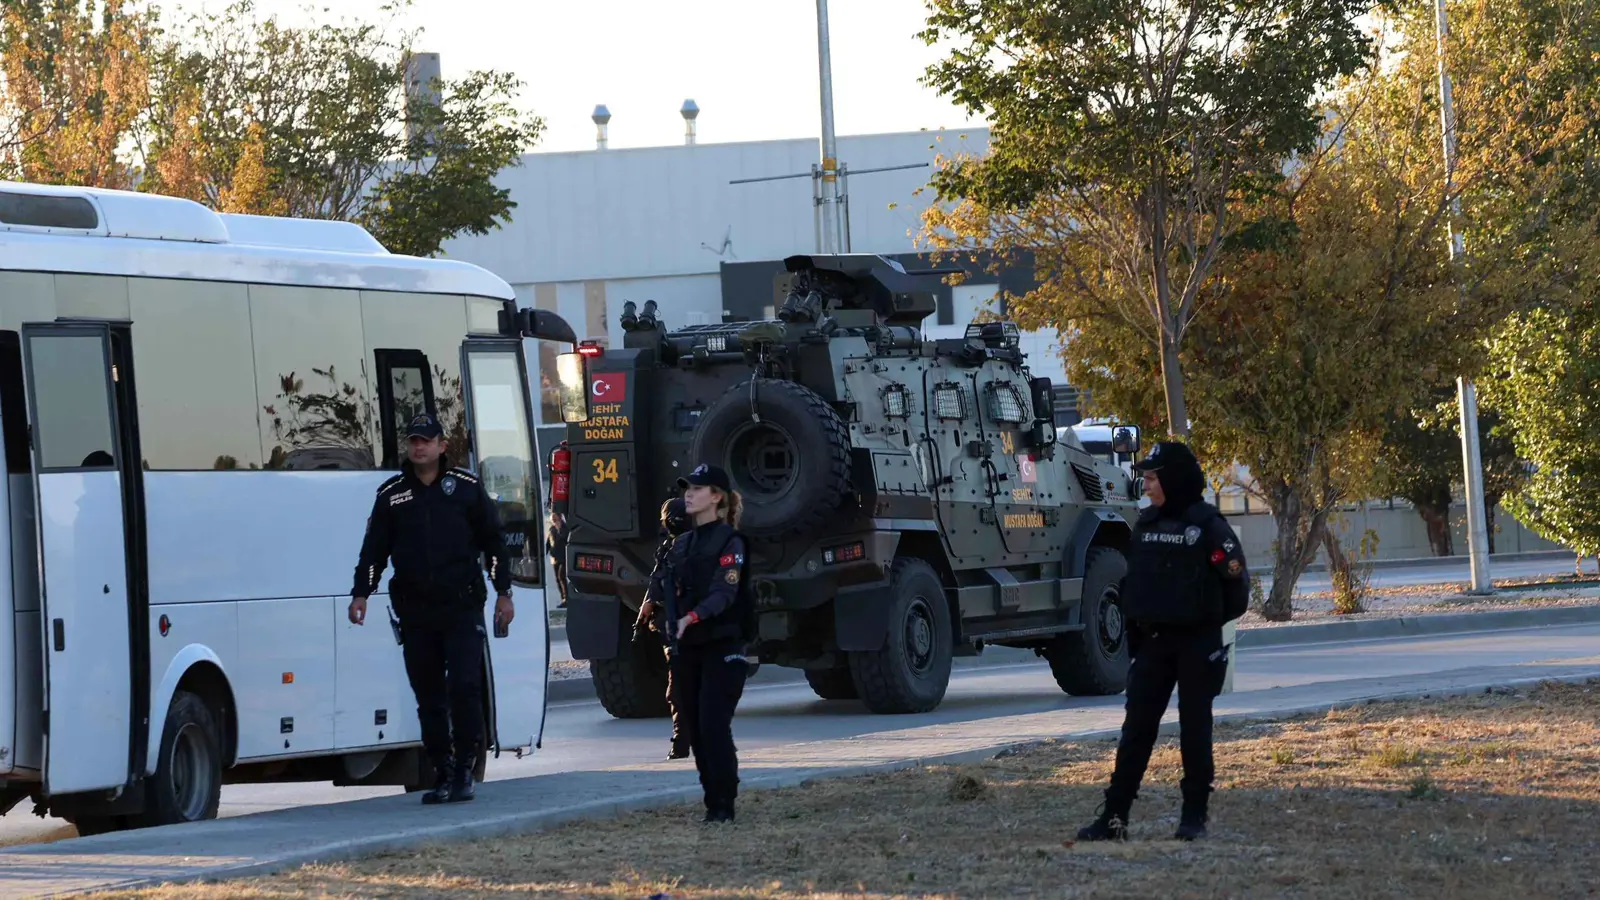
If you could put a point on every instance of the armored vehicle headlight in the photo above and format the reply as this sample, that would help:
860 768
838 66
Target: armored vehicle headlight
717 343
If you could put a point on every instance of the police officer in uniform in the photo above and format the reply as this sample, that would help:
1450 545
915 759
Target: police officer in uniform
674 522
436 523
707 603
1186 579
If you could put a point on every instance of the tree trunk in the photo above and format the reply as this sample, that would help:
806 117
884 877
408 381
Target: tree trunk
1437 519
1172 382
1338 563
1299 533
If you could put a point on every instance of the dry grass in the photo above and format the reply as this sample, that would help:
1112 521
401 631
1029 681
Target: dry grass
1489 796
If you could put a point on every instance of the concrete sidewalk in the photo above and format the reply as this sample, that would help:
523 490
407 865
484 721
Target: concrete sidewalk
272 841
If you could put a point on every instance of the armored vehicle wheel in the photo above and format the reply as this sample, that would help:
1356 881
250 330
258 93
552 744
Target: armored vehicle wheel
832 684
1095 660
792 467
632 684
912 671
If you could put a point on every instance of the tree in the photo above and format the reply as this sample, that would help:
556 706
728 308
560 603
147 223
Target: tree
1421 463
74 77
1129 140
1546 363
253 116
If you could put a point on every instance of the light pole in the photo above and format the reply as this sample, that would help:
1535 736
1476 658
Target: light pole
1467 393
830 150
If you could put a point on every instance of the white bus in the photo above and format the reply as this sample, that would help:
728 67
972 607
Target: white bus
197 412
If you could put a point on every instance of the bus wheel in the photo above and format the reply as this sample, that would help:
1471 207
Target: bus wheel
187 786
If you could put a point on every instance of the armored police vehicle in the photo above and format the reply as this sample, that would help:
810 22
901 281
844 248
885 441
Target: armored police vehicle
906 500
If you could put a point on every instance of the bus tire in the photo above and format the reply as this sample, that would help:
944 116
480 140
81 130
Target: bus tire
187 786
633 684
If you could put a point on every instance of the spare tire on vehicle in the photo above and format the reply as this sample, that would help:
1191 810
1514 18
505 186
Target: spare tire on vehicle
785 450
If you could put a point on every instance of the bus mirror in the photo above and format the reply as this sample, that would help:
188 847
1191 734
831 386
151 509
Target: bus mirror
1125 440
539 324
573 387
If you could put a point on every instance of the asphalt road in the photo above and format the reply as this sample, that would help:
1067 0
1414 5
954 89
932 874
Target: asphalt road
580 736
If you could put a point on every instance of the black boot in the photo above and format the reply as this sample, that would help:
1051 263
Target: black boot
1111 823
719 804
461 788
1192 824
442 785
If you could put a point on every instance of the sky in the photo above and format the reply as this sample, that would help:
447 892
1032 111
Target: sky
750 65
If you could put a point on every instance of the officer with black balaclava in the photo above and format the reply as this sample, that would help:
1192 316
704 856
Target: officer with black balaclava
652 612
1186 579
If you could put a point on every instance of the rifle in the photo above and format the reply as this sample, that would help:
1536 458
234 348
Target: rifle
665 620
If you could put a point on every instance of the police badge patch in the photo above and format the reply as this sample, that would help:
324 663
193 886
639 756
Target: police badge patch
1235 567
449 485
1191 535
732 577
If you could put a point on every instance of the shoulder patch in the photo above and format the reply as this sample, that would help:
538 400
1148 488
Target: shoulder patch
382 488
465 475
730 559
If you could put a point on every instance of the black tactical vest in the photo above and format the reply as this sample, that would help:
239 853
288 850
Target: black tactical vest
699 557
1170 579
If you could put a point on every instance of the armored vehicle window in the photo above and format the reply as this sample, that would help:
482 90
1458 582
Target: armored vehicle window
1005 404
572 388
949 401
896 401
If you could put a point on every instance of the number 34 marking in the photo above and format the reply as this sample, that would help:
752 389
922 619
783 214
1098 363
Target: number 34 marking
605 470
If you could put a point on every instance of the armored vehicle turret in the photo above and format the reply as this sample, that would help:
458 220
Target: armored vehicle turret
906 500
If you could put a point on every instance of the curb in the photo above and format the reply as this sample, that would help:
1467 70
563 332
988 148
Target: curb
1431 562
526 823
1417 626
569 690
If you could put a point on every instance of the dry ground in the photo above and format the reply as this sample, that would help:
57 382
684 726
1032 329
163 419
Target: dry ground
1494 796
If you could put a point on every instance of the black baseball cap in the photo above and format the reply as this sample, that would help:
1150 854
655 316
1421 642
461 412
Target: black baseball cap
707 476
1166 453
424 426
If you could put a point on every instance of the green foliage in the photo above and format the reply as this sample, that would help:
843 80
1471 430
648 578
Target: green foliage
1129 142
1546 364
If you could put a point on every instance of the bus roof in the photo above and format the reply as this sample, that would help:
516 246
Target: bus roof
92 231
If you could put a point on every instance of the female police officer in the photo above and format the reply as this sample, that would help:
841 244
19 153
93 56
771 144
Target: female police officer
709 612
1186 579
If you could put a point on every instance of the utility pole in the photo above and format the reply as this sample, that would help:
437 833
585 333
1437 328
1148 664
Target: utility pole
1467 393
830 148
830 198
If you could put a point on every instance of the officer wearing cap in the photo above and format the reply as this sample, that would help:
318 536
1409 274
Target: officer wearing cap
1186 579
436 523
708 604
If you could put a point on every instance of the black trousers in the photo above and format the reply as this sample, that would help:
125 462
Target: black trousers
1194 662
444 662
707 682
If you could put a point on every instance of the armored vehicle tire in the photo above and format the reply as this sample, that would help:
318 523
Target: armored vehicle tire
912 671
832 684
632 684
1094 661
792 467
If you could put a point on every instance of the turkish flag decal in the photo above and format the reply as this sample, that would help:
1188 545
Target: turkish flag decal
608 387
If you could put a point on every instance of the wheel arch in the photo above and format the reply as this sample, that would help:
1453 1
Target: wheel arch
197 669
1095 528
928 547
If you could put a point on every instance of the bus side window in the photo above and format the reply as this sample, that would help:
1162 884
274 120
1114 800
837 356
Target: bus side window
405 391
13 405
